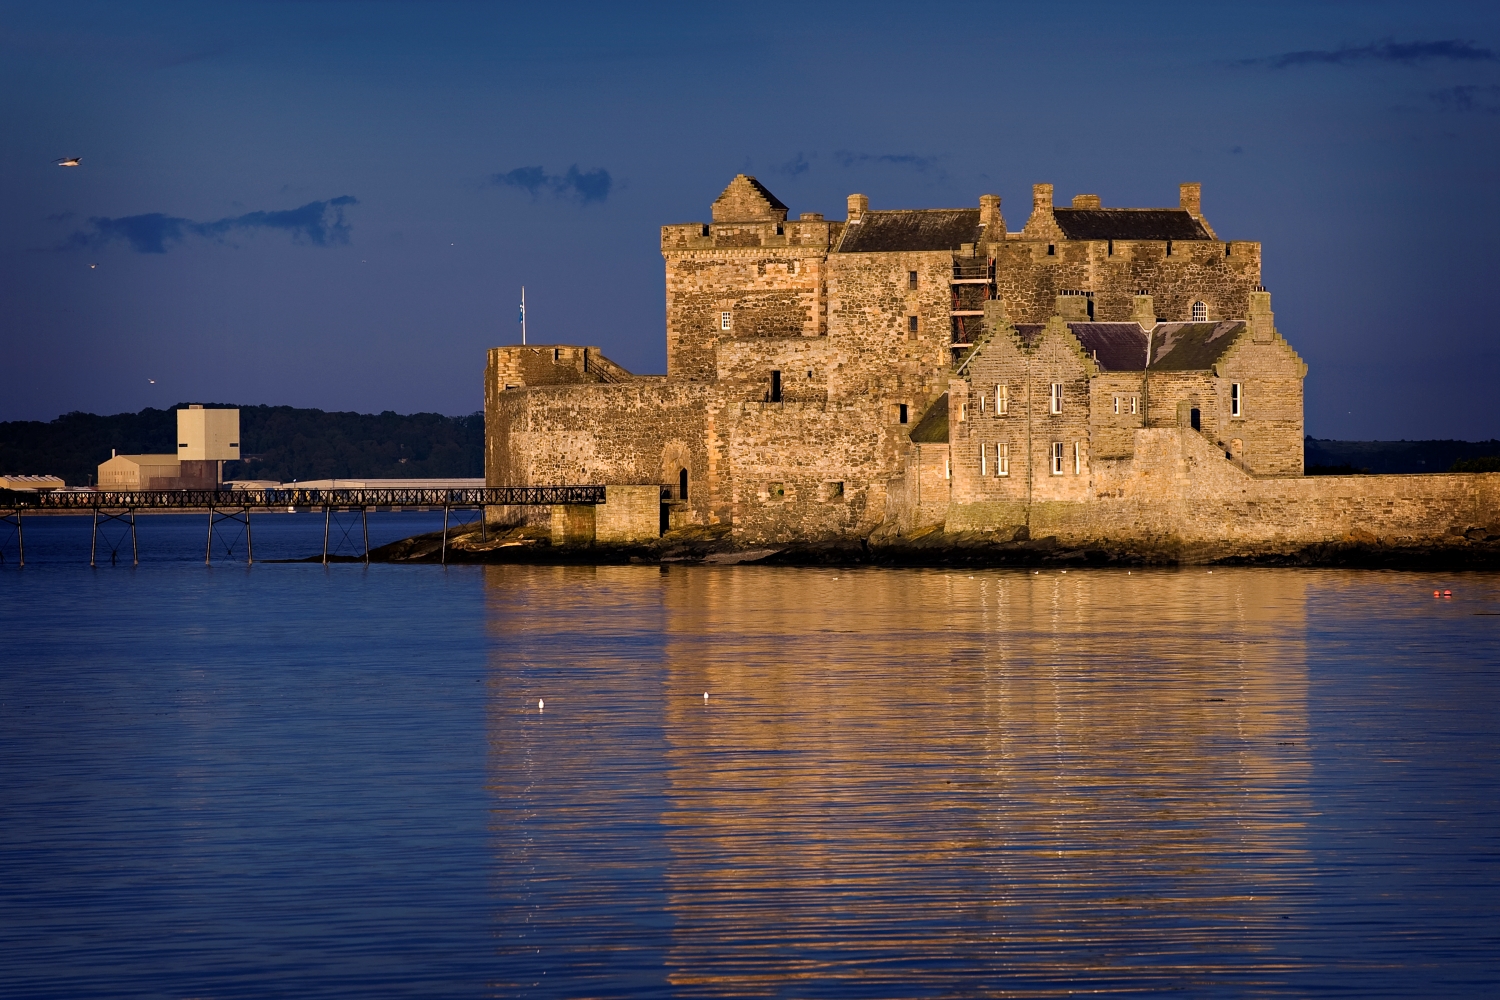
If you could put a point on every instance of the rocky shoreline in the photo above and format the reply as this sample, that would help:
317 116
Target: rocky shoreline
1477 550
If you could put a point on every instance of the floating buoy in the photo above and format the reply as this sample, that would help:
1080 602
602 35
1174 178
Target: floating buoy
1437 593
705 696
1447 593
539 704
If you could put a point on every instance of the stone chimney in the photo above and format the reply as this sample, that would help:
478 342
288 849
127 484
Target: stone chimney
1041 198
1262 320
1042 225
1073 308
1087 201
858 206
1191 199
1143 311
990 217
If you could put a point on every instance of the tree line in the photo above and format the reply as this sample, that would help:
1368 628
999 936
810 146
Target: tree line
282 443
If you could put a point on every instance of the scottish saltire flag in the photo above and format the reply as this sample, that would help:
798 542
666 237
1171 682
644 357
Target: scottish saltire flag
522 318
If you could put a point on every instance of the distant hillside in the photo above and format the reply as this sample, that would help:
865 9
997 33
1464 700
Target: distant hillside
277 442
1380 457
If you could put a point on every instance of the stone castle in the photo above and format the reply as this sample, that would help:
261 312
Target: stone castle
1101 375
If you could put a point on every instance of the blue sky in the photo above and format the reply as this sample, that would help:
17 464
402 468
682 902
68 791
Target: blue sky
335 204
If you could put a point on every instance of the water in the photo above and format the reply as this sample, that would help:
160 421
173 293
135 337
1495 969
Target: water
292 780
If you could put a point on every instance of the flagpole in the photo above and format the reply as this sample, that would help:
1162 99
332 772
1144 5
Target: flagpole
523 315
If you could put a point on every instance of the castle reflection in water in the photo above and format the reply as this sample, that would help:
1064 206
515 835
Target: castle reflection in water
901 784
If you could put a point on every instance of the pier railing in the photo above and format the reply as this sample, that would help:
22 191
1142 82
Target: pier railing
292 496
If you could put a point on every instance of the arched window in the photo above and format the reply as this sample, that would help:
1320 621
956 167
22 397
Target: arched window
1200 312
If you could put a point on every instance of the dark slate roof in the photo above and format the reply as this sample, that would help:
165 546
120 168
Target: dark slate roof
1116 347
1129 224
1189 347
766 194
933 427
918 229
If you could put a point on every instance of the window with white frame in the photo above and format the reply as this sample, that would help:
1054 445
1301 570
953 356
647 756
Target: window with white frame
1002 459
984 450
1133 401
981 402
1077 459
723 321
1057 458
1117 404
1057 397
947 468
1200 312
963 412
1002 400
1236 399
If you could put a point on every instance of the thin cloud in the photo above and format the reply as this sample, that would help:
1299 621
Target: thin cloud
582 186
320 223
911 161
798 164
1485 100
1384 51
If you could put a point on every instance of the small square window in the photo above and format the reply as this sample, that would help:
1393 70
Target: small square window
724 320
911 279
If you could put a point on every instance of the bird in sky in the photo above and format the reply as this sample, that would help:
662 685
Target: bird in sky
151 380
92 266
69 161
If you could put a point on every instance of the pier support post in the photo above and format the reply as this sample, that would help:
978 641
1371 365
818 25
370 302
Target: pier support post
128 517
12 516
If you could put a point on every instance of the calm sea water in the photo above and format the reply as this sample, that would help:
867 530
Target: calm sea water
292 780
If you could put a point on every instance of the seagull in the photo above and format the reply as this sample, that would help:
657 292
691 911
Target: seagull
539 704
69 161
151 380
705 696
92 266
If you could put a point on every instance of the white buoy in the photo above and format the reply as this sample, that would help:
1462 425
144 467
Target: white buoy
539 704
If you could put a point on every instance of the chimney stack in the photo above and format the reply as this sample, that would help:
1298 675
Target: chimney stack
858 206
1262 320
990 217
1143 311
1087 201
1041 198
1191 198
1073 307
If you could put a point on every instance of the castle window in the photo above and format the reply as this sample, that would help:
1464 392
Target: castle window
723 321
963 412
1057 397
947 468
1002 400
1132 404
1057 458
704 232
983 450
901 413
809 376
1111 248
911 326
778 230
1226 249
981 402
1236 399
1002 459
682 484
776 388
1077 459
1051 249
556 355
1117 404
911 280
1200 312
1169 248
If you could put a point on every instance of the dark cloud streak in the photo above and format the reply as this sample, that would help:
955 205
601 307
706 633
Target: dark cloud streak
921 164
320 223
1470 97
1385 50
583 186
